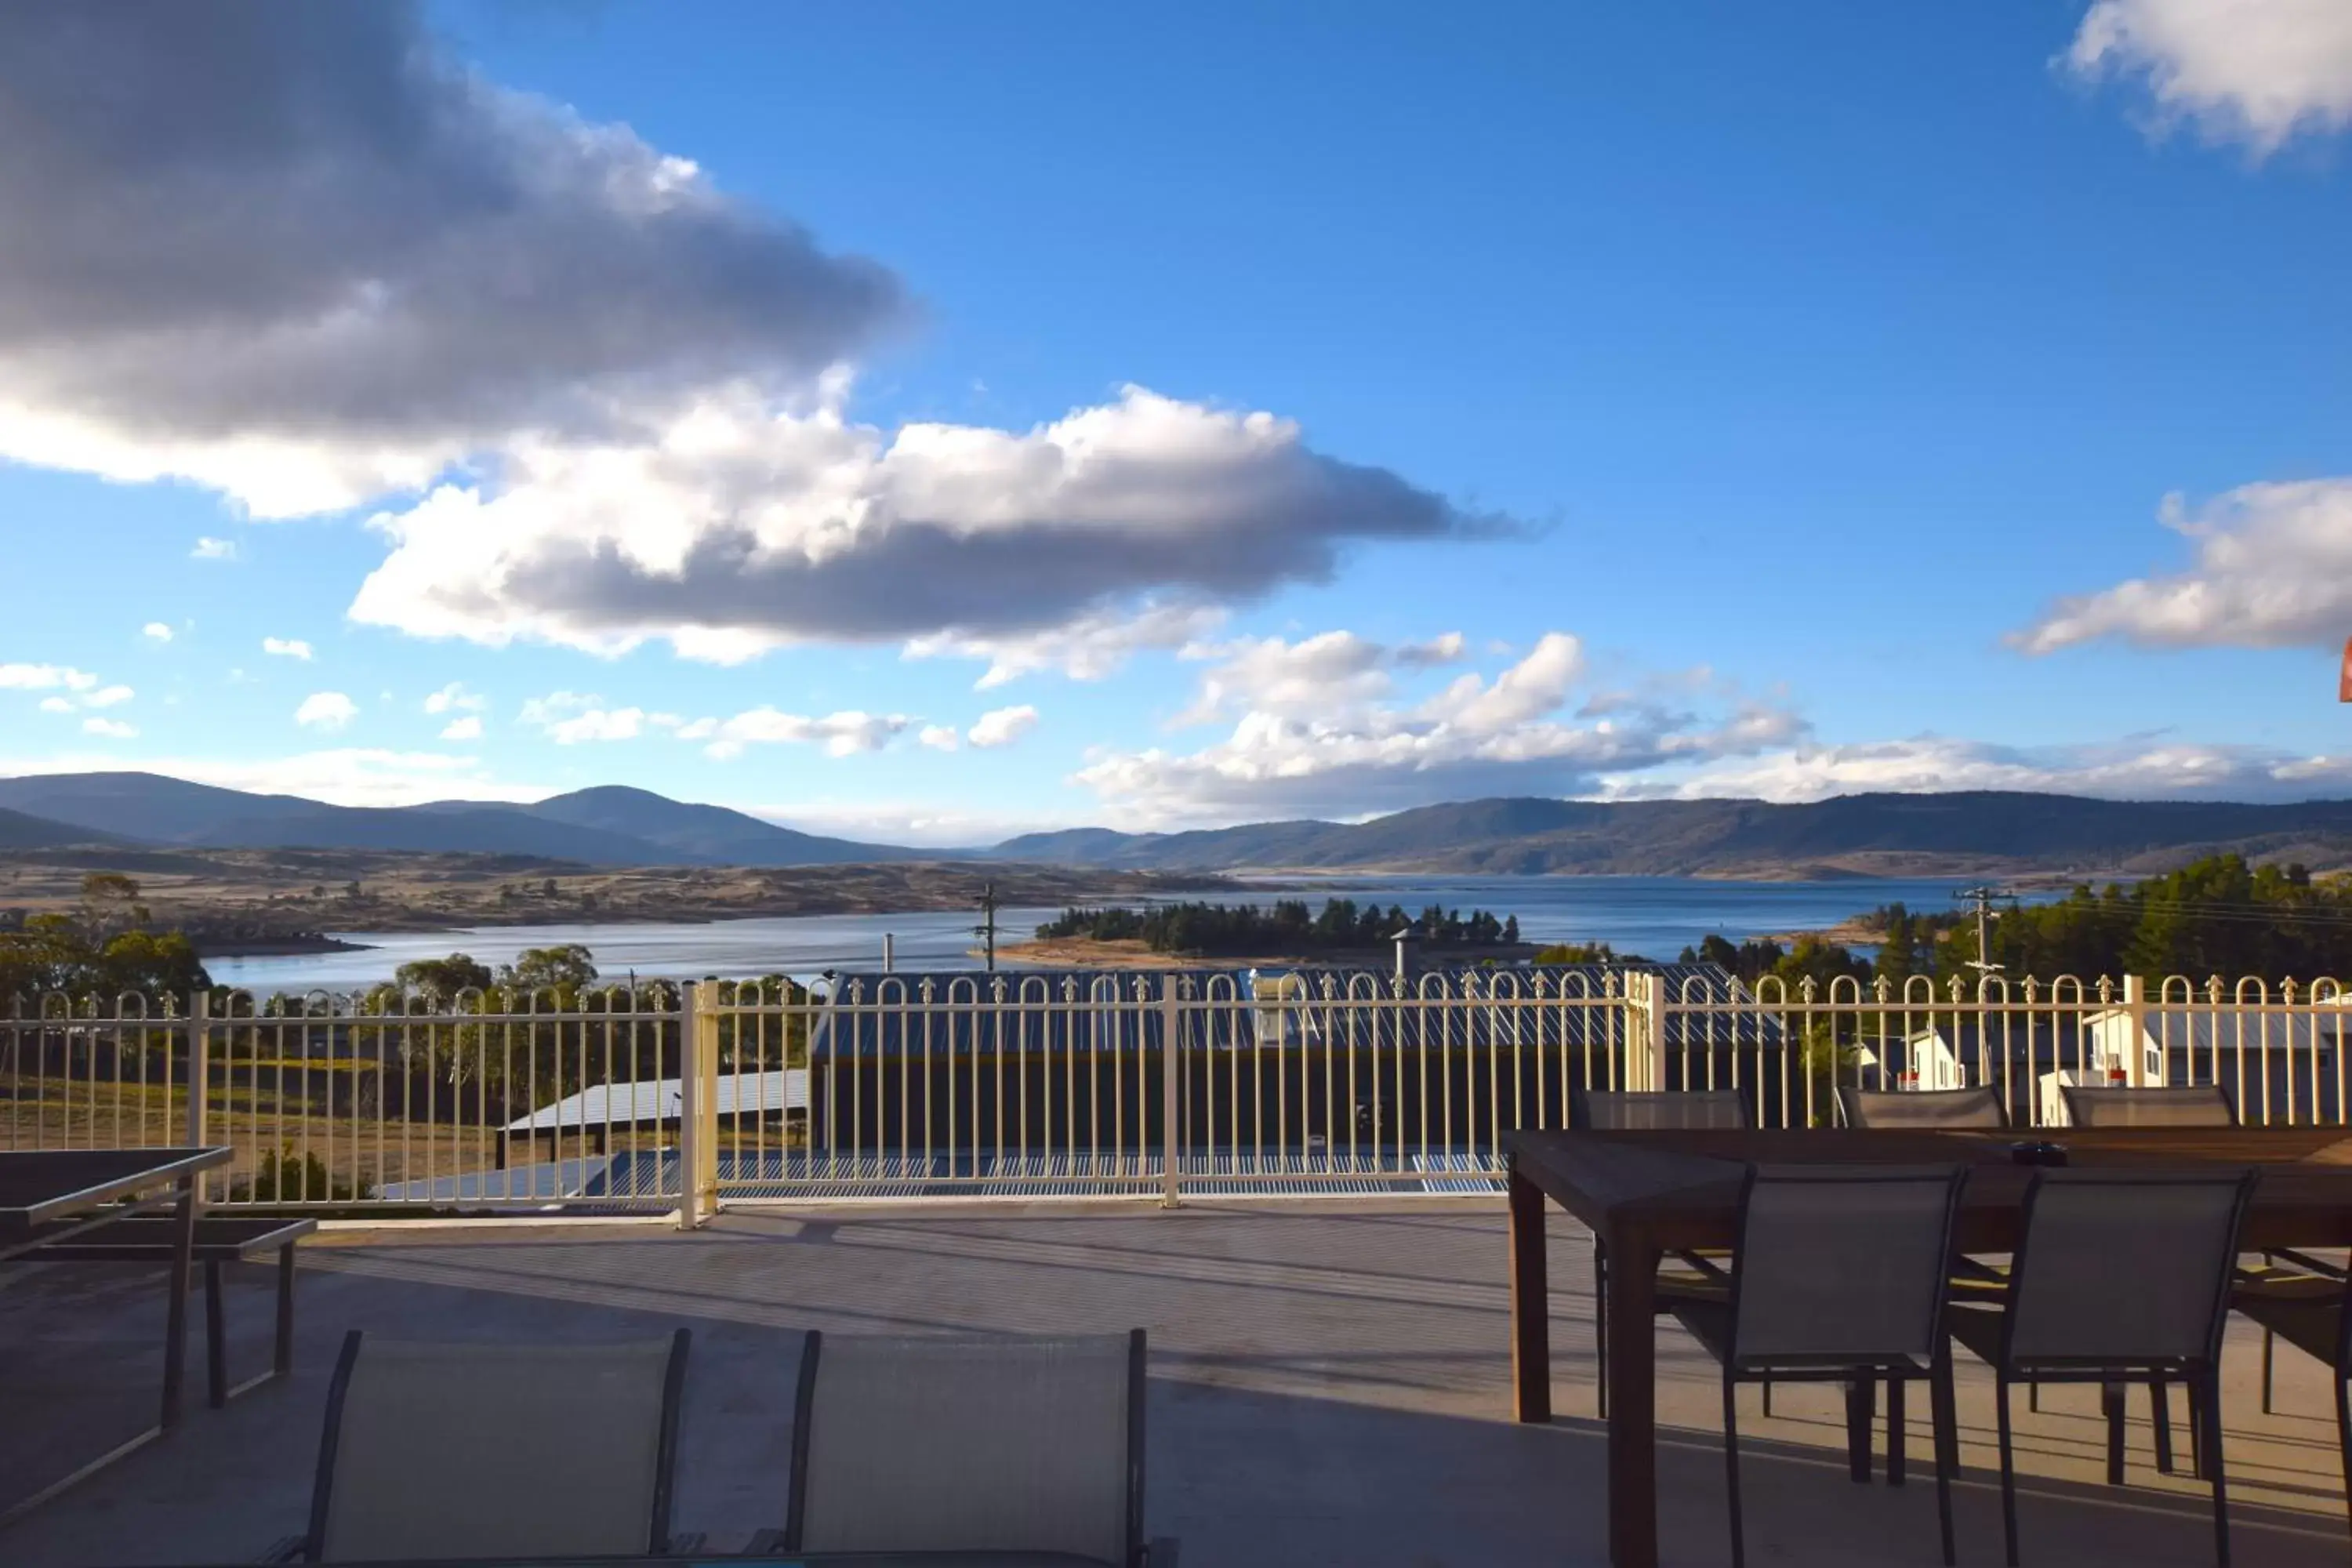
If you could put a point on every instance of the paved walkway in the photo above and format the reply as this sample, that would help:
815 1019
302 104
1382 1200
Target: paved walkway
1329 1386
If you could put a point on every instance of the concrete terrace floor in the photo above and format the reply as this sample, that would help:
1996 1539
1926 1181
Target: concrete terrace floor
1329 1385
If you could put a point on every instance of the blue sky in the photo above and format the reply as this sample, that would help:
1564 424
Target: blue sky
926 422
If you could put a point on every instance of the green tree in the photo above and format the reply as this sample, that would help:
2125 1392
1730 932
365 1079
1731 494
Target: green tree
443 979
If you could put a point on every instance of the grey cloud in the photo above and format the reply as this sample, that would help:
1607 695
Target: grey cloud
299 221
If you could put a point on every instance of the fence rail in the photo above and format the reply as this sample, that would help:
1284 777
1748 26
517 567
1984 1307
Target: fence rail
690 1097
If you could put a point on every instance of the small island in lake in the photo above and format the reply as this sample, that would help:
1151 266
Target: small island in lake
1285 932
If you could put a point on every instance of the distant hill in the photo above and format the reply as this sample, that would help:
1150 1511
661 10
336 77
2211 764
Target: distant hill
605 826
20 830
1860 834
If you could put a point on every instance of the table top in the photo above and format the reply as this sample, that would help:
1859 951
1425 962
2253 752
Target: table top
40 1185
776 1560
1686 1182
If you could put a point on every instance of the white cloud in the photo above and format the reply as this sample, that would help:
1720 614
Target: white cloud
113 728
44 678
56 705
455 699
1090 647
1366 746
326 710
740 527
2143 768
206 549
572 717
1268 675
1003 727
286 647
157 630
469 727
330 260
107 696
2272 569
2256 71
938 737
842 734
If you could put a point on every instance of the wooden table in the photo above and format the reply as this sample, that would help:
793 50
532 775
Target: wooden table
49 1195
1647 1193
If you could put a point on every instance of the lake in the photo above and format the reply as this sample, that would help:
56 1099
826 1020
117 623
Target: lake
1654 916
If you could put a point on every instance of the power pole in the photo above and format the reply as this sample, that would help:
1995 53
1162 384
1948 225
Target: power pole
986 928
1982 896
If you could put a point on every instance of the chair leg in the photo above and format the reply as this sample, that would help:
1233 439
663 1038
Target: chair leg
1861 1405
2159 1419
1944 1419
1731 1471
2270 1353
1767 1399
1601 1320
2344 1433
216 1338
1895 1432
2195 1428
2214 1466
2111 1405
2034 1397
284 1360
2008 1470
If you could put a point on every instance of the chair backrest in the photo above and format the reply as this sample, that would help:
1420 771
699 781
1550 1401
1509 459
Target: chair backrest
1841 1263
940 1444
2125 1265
1932 1108
497 1450
1627 1110
2190 1105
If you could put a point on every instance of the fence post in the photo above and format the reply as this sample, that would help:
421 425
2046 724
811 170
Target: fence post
2135 1032
1645 1040
1171 1037
697 1126
200 1036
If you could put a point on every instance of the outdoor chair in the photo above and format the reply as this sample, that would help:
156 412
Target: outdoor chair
973 1444
2308 1312
496 1450
2120 1277
1921 1110
1635 1110
1837 1276
2188 1105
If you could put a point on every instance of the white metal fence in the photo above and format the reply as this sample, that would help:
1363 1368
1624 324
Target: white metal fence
1167 1083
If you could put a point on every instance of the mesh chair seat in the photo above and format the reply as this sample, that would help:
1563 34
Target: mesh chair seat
2188 1105
942 1444
1921 1109
497 1450
2310 1320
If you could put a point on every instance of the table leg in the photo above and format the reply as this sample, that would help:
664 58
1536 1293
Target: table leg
1633 1398
175 1320
1531 1304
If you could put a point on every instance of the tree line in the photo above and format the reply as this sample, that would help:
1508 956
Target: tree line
1285 926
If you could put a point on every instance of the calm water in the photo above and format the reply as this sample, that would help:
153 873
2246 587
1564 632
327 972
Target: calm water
1654 916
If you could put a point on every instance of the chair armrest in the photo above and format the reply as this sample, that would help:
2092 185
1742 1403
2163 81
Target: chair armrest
288 1549
1160 1552
764 1543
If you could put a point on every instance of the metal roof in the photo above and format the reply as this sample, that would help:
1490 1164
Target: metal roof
652 1101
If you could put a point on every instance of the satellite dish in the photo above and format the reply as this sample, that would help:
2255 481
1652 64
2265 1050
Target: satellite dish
2344 675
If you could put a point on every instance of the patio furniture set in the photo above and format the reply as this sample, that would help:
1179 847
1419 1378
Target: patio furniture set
1862 1255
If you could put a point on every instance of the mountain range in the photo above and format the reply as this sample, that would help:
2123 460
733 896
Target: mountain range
608 825
1859 835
